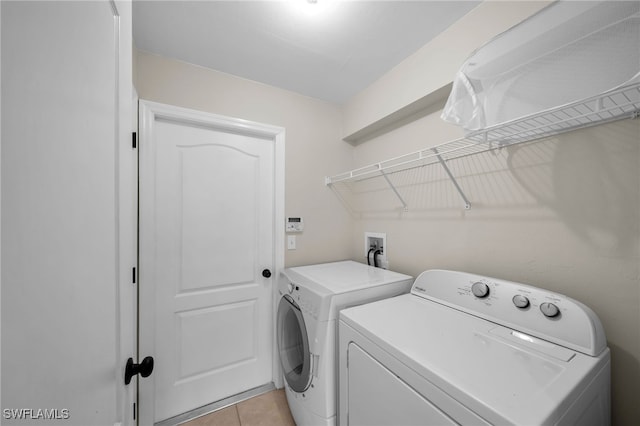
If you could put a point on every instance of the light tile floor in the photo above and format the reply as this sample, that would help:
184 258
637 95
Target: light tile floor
268 409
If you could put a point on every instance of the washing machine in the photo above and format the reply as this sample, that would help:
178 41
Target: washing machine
472 350
310 299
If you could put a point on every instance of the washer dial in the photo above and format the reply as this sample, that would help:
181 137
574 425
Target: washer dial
480 289
520 301
549 309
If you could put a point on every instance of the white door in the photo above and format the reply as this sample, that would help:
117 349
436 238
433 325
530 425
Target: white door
207 232
67 235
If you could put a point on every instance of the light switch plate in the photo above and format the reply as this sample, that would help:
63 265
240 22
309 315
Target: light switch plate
291 242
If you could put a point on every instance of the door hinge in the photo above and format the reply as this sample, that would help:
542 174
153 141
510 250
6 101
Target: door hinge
134 139
134 411
134 275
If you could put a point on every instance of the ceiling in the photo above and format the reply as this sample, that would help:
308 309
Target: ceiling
329 50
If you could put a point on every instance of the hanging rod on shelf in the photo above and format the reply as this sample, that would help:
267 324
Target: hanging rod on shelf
622 102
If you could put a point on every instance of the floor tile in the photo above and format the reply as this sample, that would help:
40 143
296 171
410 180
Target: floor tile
269 409
224 417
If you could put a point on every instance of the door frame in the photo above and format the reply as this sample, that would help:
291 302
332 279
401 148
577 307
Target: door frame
148 113
125 210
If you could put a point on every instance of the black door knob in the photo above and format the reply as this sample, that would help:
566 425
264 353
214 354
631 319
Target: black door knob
145 368
266 273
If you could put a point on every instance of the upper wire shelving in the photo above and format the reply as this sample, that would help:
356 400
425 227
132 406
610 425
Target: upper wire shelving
616 104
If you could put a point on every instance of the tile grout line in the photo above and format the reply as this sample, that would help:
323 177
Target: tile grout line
238 414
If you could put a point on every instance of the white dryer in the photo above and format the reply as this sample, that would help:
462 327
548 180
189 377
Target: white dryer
473 350
310 299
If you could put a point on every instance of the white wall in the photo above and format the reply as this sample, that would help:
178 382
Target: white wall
313 145
60 137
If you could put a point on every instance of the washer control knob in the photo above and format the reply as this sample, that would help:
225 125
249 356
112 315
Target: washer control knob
520 301
549 309
480 289
290 287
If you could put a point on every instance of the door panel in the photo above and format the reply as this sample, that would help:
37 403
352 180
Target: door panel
196 359
235 181
206 232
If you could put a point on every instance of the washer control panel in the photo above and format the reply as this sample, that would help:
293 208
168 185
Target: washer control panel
304 299
480 289
312 301
549 309
527 309
520 301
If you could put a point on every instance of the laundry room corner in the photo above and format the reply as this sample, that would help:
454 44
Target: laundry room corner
561 213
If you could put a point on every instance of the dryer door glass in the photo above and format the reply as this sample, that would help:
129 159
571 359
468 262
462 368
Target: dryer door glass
293 345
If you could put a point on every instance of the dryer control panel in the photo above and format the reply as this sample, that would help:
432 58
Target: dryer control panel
535 311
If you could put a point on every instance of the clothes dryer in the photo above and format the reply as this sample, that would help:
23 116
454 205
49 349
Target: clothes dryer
472 350
310 300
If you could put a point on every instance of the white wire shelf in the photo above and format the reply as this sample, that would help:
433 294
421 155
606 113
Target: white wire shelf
622 102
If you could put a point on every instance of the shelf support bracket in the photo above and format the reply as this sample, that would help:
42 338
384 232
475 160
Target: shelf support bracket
443 163
395 191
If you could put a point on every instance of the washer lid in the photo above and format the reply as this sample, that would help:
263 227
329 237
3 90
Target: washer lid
477 362
345 276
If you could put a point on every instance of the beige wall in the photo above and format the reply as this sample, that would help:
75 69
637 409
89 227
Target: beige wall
561 214
313 145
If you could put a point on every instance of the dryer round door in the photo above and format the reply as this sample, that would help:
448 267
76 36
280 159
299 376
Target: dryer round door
293 345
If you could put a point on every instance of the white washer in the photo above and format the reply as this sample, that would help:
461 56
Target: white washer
467 349
310 299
